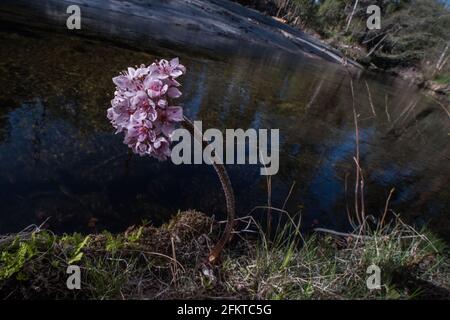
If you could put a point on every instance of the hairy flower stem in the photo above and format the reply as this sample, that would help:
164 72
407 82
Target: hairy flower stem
229 197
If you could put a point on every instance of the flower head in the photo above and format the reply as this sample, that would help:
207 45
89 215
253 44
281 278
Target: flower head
142 109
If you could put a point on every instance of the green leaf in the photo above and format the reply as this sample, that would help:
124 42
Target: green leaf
76 258
77 255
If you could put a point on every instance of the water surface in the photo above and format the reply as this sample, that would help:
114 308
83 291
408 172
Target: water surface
60 159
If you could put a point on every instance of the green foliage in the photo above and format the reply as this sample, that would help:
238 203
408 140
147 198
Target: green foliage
412 31
306 11
331 15
106 276
415 31
13 258
134 236
289 265
321 267
113 243
78 254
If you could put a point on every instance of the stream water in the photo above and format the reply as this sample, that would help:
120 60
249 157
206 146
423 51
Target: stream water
60 159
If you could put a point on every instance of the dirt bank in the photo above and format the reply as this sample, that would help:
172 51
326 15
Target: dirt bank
169 262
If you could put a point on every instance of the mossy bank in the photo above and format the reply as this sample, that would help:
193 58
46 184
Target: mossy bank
169 262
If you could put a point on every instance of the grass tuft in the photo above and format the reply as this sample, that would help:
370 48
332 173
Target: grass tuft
169 262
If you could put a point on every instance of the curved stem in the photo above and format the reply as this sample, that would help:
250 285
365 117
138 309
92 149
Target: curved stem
229 197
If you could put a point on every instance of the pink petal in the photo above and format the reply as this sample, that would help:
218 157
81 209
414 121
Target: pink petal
122 82
167 129
162 103
176 73
148 81
173 92
131 72
174 62
174 114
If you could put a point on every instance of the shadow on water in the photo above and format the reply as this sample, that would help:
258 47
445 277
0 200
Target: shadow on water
60 159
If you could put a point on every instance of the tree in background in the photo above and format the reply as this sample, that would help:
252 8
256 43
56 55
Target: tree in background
414 33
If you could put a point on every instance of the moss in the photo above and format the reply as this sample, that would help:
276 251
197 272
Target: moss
169 262
14 257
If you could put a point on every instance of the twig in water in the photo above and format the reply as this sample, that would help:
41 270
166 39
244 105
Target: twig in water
370 99
363 214
349 216
386 108
405 112
355 120
314 96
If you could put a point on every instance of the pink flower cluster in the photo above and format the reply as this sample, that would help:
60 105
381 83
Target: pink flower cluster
142 107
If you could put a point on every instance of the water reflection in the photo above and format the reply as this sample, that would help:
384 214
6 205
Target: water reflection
59 158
